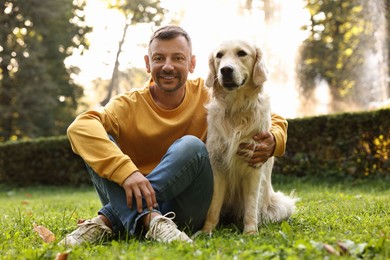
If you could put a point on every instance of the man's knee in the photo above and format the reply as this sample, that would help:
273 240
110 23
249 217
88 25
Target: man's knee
190 143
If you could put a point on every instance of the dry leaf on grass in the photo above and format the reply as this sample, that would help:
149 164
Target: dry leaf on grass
343 247
62 256
44 233
330 249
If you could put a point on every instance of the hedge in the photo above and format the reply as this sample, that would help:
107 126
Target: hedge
41 161
350 144
344 145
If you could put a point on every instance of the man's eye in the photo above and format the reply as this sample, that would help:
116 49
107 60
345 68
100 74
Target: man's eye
241 53
219 55
157 58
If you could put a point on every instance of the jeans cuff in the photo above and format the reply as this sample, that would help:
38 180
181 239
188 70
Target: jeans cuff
116 227
143 213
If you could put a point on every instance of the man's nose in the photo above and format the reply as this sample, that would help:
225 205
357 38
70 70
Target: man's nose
168 65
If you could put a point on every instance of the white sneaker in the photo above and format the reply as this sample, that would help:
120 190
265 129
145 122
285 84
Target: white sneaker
163 229
90 231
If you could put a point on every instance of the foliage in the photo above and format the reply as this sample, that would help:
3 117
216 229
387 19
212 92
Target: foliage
125 81
37 94
41 161
341 34
345 145
340 218
352 144
387 12
140 11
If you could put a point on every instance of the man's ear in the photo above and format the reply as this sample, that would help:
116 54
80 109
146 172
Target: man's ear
193 64
259 69
211 76
147 63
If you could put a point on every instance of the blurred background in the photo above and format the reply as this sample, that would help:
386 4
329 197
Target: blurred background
59 58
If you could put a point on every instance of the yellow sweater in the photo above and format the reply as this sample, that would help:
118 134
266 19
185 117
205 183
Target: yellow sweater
143 131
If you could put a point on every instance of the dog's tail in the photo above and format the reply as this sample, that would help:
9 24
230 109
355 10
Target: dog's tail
277 206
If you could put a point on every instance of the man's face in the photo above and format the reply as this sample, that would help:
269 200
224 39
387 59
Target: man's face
169 62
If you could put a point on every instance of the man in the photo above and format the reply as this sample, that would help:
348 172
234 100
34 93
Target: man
145 150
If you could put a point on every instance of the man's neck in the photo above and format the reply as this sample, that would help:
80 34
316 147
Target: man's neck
167 100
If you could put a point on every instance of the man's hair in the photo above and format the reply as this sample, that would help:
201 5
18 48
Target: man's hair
169 32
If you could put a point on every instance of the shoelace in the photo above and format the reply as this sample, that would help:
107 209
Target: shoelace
168 227
86 226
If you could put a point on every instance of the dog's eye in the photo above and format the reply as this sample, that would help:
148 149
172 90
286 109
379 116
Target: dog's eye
219 55
241 53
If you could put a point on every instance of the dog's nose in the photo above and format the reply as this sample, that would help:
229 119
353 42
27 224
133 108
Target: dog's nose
226 71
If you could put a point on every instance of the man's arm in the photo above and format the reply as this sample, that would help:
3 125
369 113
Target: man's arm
88 135
272 143
89 139
279 131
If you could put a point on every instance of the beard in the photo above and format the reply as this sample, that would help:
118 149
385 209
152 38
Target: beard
169 87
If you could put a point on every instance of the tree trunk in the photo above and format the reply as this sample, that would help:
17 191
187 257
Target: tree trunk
115 73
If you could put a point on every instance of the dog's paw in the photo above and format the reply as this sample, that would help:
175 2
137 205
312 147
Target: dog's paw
250 230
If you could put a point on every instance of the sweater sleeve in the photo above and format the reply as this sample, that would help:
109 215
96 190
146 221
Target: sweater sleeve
279 131
88 135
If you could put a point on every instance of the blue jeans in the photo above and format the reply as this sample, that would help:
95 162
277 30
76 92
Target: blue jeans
182 181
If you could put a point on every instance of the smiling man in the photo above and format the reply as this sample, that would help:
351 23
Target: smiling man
145 150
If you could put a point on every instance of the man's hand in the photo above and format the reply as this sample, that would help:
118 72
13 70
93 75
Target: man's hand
136 185
261 151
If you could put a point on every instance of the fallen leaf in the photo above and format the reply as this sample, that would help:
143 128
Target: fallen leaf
44 233
343 247
80 221
330 249
62 256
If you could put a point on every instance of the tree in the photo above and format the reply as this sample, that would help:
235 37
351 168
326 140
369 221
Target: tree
387 12
37 94
346 48
125 81
140 11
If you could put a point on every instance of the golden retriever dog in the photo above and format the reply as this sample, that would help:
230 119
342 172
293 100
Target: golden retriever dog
239 109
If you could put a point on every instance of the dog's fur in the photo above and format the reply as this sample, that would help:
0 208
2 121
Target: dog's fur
239 109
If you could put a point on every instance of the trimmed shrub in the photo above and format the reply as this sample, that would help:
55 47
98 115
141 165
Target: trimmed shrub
41 161
353 145
349 144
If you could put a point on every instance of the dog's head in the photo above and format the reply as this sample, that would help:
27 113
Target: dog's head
235 64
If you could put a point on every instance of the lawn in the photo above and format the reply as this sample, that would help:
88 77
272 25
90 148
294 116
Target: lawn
341 219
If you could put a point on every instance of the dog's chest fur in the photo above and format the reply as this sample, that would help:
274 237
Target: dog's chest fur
232 120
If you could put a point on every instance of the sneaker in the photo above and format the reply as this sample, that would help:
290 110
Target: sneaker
163 229
90 231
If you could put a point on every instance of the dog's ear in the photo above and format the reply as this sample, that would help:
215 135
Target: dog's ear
259 69
211 77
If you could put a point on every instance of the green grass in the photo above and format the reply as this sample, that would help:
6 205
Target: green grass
356 214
